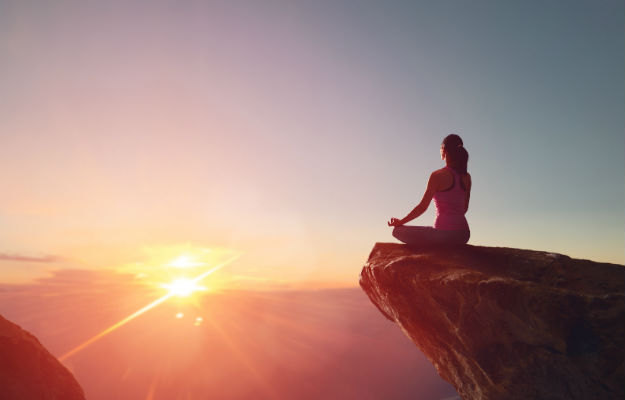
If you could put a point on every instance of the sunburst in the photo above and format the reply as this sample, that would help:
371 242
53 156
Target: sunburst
183 287
177 289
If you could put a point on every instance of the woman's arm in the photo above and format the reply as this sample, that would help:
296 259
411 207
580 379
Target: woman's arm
422 206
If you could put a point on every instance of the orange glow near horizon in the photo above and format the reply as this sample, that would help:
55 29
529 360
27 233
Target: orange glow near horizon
186 261
175 268
183 286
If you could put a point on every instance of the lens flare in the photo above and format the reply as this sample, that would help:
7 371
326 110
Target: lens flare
143 310
183 287
185 261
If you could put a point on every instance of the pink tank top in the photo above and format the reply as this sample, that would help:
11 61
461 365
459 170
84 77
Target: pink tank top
450 206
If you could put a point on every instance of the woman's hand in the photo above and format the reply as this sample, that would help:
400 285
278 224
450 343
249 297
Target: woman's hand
394 222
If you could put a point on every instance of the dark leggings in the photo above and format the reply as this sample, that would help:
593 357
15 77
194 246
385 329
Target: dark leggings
428 236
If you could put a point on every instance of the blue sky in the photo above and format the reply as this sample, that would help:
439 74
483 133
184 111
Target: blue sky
294 130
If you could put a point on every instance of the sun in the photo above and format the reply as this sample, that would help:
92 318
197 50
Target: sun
183 287
185 261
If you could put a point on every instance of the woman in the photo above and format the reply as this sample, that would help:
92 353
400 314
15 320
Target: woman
450 187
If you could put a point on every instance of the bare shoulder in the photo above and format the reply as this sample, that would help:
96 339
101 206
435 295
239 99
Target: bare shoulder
437 179
439 172
437 175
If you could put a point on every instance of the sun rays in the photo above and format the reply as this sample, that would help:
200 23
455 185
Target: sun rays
183 287
185 261
180 287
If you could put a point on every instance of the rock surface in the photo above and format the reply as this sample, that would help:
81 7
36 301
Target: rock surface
502 323
29 371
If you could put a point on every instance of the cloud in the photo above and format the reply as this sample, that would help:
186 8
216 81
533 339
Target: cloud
29 258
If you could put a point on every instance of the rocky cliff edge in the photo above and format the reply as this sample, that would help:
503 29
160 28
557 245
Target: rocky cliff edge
29 371
503 323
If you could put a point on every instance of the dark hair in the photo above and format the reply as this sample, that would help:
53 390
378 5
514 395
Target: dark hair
457 155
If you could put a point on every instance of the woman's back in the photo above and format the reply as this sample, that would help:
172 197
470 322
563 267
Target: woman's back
451 204
450 188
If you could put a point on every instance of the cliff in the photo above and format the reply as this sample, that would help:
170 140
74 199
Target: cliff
501 323
29 371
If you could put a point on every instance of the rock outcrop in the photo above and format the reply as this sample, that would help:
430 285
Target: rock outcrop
29 371
502 323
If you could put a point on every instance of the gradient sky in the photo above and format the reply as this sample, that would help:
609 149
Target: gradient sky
291 131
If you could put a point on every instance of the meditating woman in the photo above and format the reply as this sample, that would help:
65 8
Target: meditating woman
450 188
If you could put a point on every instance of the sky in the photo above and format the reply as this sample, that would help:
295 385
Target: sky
290 131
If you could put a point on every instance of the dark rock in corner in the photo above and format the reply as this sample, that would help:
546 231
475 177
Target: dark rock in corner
29 371
501 323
